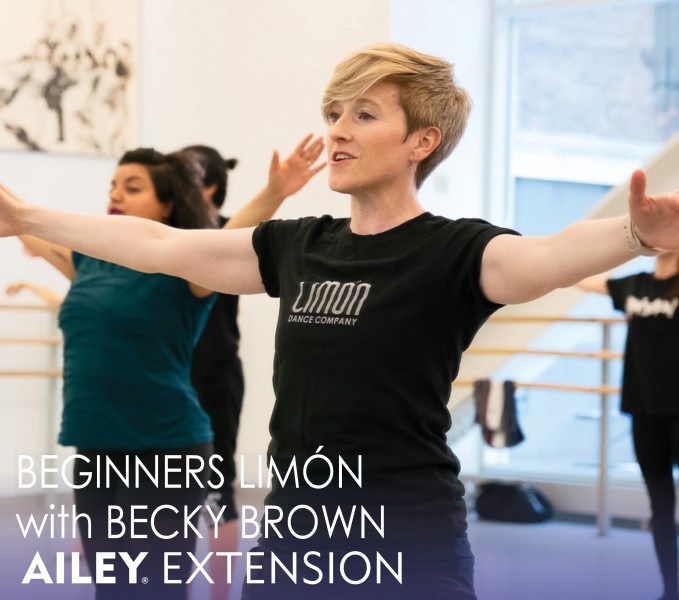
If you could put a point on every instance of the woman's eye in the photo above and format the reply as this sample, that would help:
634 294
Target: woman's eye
332 116
364 116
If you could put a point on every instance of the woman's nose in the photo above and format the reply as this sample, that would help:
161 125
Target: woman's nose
339 129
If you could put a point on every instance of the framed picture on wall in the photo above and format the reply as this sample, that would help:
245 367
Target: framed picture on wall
69 75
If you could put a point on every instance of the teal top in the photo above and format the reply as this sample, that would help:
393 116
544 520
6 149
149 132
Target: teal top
128 341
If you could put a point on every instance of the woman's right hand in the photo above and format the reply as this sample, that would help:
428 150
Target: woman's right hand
14 288
48 296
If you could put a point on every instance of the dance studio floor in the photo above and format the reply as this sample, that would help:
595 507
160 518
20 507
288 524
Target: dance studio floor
551 561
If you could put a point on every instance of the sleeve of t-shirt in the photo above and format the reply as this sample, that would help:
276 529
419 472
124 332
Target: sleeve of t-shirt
475 234
619 289
264 243
271 241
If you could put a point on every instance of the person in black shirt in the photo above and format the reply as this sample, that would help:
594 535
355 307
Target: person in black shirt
650 380
375 312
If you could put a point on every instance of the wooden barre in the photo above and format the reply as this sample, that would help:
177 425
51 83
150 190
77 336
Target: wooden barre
53 341
550 386
606 354
27 307
554 319
45 373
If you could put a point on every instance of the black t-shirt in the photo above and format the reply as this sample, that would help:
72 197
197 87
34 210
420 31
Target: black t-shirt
217 376
217 349
370 334
650 376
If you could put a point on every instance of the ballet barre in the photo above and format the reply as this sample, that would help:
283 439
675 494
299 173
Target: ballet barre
604 390
48 341
553 319
38 307
603 354
31 373
601 389
48 369
52 341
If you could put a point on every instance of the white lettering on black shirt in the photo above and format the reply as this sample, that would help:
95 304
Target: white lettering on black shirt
329 302
643 307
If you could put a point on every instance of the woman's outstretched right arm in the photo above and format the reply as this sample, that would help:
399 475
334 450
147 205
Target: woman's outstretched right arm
597 284
219 260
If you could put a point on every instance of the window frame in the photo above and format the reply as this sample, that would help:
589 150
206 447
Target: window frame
499 199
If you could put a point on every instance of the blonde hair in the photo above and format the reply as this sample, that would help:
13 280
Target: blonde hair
429 94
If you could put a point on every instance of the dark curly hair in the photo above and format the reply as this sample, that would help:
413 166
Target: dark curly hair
177 181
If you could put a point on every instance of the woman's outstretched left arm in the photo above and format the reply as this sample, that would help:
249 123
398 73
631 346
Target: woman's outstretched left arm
518 269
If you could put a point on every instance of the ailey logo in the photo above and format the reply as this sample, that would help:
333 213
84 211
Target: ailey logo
329 302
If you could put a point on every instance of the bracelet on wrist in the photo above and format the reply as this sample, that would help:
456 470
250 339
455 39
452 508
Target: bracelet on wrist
634 242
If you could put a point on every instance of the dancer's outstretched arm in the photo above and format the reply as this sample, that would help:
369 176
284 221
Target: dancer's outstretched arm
518 269
219 260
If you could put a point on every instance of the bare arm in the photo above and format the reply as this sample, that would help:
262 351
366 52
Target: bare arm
219 260
519 269
596 284
285 178
59 257
48 296
516 269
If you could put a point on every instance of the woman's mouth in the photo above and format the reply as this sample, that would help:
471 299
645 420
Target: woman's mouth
115 211
340 156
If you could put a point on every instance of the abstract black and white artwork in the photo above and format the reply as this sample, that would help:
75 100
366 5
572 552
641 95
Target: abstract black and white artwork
69 75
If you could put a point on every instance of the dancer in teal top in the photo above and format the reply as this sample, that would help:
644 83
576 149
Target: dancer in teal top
140 377
129 406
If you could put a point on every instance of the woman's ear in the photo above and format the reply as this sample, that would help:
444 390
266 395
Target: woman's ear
426 141
168 207
209 192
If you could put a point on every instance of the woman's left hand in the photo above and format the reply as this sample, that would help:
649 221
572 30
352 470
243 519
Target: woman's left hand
655 218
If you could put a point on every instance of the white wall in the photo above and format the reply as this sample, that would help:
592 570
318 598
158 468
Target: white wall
459 31
245 76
